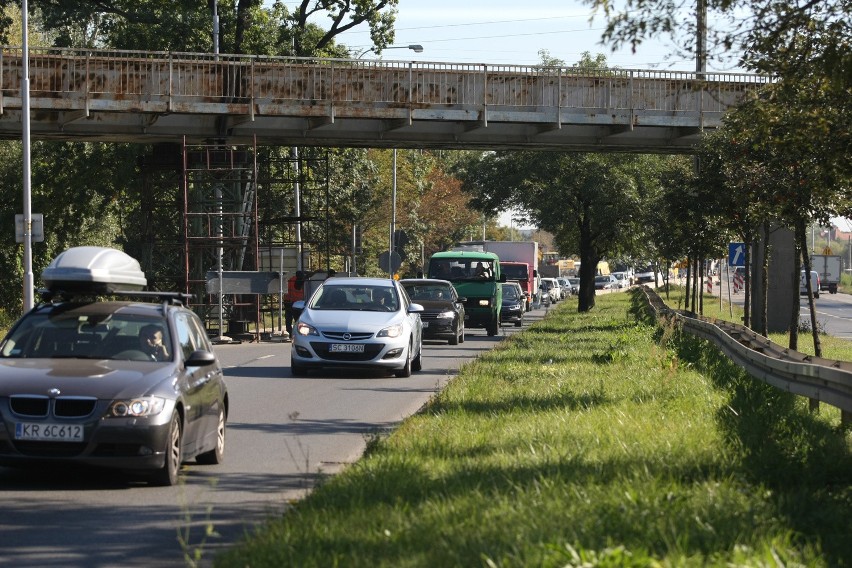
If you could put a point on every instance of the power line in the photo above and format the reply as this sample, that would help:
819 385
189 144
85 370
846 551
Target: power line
514 21
503 36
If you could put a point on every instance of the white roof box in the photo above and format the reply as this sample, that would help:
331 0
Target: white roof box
93 270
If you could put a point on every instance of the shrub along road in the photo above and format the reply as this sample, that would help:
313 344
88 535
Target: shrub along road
592 439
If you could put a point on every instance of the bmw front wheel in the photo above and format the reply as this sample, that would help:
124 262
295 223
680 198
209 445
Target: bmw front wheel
217 454
168 474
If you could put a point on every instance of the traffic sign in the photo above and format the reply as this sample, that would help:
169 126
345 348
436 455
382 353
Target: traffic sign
390 263
37 228
736 254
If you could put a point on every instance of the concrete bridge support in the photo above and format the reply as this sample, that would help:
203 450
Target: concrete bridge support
780 294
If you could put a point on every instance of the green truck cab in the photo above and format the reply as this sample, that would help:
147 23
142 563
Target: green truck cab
476 277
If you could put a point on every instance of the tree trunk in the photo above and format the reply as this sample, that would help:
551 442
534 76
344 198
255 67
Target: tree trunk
242 24
695 287
794 313
764 281
747 283
801 237
589 258
701 276
686 303
588 269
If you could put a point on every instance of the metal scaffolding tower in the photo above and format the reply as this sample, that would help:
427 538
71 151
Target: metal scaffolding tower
207 208
220 229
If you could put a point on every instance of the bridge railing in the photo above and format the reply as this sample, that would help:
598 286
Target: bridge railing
146 79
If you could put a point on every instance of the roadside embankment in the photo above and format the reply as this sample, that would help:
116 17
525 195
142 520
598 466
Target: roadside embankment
588 439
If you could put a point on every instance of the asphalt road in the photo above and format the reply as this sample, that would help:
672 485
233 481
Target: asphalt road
833 311
283 434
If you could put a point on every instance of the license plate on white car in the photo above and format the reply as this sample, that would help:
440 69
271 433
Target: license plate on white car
45 432
346 348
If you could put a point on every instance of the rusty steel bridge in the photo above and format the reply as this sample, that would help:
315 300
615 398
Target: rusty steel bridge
216 189
151 97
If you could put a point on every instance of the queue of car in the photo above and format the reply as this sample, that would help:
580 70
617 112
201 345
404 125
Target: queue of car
106 374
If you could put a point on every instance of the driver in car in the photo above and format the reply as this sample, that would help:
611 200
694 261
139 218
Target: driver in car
151 342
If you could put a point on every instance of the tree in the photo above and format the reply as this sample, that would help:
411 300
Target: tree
592 203
344 15
82 191
90 193
445 214
771 36
246 26
787 136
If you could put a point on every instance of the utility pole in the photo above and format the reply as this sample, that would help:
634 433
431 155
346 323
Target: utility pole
701 38
29 288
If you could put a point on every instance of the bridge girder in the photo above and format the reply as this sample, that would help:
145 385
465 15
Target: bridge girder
148 97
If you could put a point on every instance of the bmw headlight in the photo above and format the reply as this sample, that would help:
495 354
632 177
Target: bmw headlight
446 315
305 329
392 331
137 407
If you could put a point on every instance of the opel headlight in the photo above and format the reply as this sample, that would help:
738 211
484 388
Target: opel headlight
137 407
305 329
392 331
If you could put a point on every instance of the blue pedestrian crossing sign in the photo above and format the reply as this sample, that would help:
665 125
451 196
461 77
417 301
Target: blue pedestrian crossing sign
736 254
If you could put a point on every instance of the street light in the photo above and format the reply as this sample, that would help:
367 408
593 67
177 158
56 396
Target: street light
393 220
29 300
416 48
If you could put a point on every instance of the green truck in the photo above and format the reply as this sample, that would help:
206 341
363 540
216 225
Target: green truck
476 277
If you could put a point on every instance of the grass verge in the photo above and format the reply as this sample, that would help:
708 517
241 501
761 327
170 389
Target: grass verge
832 347
592 439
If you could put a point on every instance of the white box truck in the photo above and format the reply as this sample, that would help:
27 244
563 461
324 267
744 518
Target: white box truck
829 267
518 262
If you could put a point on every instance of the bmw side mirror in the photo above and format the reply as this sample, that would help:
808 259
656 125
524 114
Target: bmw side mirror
200 358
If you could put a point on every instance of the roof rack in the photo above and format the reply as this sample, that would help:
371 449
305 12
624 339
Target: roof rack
169 298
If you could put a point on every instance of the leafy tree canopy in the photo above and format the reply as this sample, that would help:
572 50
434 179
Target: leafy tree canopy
779 37
246 26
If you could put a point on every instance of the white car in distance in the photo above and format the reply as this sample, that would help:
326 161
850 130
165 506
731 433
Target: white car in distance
623 279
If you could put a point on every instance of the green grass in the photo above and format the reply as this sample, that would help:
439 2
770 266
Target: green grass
592 439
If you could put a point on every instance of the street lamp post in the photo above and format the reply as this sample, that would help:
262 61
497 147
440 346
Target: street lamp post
416 48
393 219
29 299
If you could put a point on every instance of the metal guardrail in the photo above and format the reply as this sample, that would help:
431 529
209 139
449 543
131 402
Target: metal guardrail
816 378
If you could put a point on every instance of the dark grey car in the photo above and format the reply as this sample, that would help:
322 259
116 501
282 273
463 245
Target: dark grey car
77 384
443 310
